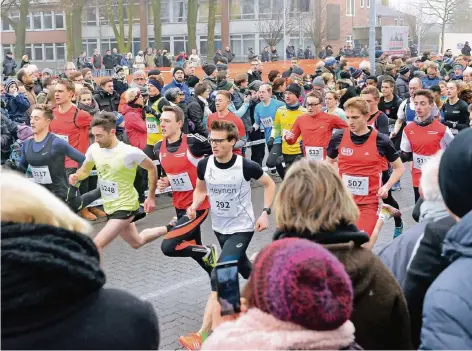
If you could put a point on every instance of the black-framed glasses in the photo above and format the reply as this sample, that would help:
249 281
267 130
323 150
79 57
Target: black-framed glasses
312 105
216 141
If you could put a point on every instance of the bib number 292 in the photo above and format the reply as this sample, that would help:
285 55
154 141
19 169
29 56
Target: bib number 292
222 205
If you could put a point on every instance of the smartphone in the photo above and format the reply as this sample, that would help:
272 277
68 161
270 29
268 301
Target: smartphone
228 287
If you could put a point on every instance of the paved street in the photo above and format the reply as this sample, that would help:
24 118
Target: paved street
177 287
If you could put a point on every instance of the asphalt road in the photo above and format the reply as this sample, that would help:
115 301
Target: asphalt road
177 287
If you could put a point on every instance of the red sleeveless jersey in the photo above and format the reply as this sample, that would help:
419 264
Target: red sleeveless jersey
425 142
371 123
360 167
181 170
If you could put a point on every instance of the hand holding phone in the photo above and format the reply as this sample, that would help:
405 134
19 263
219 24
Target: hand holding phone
228 287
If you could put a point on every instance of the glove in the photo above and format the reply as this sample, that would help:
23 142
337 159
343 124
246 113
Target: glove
270 143
148 109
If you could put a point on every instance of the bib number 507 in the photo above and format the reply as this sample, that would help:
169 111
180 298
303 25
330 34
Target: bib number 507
354 183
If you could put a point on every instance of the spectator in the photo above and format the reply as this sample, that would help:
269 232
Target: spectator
120 84
322 53
82 61
17 104
265 57
134 122
139 81
274 55
255 72
228 54
219 57
189 70
314 315
380 313
309 53
364 51
124 61
116 57
194 58
178 81
108 62
272 75
447 310
432 76
402 82
106 97
34 72
290 51
9 65
158 59
8 129
33 220
278 89
176 97
390 72
198 109
46 72
69 68
89 82
210 75
87 103
191 82
241 98
97 63
27 87
24 61
165 59
466 49
181 58
48 86
329 50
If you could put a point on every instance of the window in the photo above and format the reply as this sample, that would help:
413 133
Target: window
89 45
180 44
107 44
203 40
60 52
368 4
203 11
240 44
350 7
28 22
304 5
29 51
362 4
59 18
90 16
49 52
179 11
5 25
402 21
37 20
396 21
47 20
165 11
15 17
38 52
349 40
241 9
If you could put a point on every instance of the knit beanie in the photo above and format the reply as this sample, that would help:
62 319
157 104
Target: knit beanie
345 75
192 81
295 89
457 66
404 70
47 71
209 69
356 73
329 61
176 69
224 85
297 70
318 82
155 83
221 67
255 85
154 72
9 83
298 281
454 174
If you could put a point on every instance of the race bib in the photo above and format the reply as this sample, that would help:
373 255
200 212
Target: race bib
285 132
419 161
223 208
267 122
180 182
356 185
391 128
41 174
152 127
108 189
63 137
314 153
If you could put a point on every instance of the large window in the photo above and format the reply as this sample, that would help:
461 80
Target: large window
241 9
180 44
59 17
350 7
60 51
362 4
203 39
203 11
15 17
179 11
89 45
240 44
37 20
165 43
107 44
47 20
38 52
28 51
49 52
89 17
165 12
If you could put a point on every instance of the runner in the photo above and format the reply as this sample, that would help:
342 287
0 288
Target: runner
455 112
179 154
222 102
45 155
116 164
406 112
315 127
379 121
360 153
389 103
285 118
264 115
226 178
424 137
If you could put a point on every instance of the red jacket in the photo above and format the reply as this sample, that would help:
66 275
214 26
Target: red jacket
135 126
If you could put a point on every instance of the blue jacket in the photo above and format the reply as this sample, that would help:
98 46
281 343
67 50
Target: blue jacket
182 86
428 83
447 310
17 107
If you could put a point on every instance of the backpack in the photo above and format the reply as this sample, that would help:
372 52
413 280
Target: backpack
211 102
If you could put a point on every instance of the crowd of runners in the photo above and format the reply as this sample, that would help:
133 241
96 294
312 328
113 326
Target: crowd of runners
340 138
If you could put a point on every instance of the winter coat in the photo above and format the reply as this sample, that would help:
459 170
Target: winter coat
124 62
466 50
17 107
135 126
166 61
97 61
241 109
107 102
8 128
37 87
265 56
322 54
158 61
53 295
380 313
195 111
116 59
120 85
274 55
108 62
182 86
447 310
82 62
254 75
149 59
211 82
24 63
428 83
257 330
229 55
9 66
402 87
91 85
219 57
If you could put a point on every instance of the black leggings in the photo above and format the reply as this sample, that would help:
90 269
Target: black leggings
233 248
275 159
390 200
417 193
185 238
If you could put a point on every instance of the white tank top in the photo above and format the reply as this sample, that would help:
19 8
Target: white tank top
230 198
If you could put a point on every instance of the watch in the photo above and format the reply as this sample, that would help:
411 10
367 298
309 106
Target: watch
267 209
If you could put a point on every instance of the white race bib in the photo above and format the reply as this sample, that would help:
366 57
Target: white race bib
180 182
267 122
41 174
108 189
419 160
223 208
314 153
356 185
63 137
152 127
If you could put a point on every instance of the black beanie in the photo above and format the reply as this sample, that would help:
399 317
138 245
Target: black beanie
192 81
345 75
455 174
295 89
154 72
176 69
209 69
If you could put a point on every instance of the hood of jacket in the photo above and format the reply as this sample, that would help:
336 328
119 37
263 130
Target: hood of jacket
458 241
127 109
433 211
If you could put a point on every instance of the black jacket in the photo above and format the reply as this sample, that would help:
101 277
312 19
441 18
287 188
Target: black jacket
120 86
9 66
195 109
466 50
254 75
53 295
106 101
8 129
108 61
165 61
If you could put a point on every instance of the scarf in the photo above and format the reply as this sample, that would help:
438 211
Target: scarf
293 107
424 123
206 109
257 330
153 99
93 109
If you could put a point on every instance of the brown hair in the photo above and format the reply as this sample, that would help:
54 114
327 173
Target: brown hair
84 71
83 91
278 82
240 78
390 81
315 94
226 93
178 113
69 84
427 93
105 81
327 77
47 111
221 75
106 120
359 104
312 197
225 126
200 88
370 90
74 75
334 93
272 75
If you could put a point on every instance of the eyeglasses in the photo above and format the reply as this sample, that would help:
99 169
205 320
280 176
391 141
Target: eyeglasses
312 105
139 78
216 141
181 93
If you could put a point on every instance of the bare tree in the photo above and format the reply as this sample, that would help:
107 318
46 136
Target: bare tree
73 10
156 11
19 26
271 26
212 7
116 10
418 22
192 14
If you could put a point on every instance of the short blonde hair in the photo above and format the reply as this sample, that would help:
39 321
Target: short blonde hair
131 94
312 197
359 104
24 201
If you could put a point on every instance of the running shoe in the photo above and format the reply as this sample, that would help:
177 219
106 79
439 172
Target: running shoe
388 212
97 212
211 259
192 341
86 214
397 186
398 231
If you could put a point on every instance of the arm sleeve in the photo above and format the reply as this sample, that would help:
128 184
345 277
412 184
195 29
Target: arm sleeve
22 103
257 116
83 119
382 124
332 150
401 110
338 123
465 116
386 148
23 165
276 127
134 157
199 145
447 138
133 123
89 156
296 132
201 168
68 150
239 112
405 145
251 170
195 114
